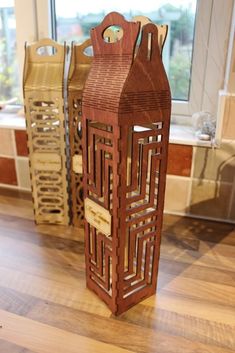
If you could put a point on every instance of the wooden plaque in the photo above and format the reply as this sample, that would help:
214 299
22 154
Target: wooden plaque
98 216
126 109
46 130
162 29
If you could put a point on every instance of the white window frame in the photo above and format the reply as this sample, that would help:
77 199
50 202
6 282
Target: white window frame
212 31
33 21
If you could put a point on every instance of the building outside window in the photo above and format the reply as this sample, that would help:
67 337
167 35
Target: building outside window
74 21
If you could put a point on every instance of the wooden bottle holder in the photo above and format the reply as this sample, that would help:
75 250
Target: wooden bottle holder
162 29
126 115
78 72
43 87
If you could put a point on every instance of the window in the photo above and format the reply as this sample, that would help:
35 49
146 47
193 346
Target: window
9 73
195 58
74 22
194 54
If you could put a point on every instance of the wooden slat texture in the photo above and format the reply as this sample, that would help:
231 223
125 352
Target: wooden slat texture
124 161
78 71
43 87
6 346
45 306
46 339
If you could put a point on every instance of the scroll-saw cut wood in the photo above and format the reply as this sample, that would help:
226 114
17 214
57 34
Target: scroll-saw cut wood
78 72
98 216
43 87
162 29
126 115
77 164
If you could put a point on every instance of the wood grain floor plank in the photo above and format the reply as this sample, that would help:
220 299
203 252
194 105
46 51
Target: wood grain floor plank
25 228
57 255
15 302
67 273
6 346
203 290
46 240
46 308
43 338
193 328
15 194
139 337
198 246
204 273
8 206
136 338
172 314
193 257
78 297
181 228
221 313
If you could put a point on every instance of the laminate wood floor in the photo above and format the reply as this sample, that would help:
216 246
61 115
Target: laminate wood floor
46 308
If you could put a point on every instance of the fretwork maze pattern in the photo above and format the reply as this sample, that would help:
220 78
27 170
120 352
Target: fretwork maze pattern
99 189
46 143
76 157
141 231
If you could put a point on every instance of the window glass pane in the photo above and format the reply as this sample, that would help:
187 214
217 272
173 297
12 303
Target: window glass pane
73 22
9 79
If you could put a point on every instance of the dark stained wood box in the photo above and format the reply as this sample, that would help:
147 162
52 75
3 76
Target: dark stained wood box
126 110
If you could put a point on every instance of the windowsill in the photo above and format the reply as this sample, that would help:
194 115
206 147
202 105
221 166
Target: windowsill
179 134
185 135
12 121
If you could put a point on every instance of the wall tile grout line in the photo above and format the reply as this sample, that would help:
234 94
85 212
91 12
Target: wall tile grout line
191 179
15 157
7 156
231 199
14 187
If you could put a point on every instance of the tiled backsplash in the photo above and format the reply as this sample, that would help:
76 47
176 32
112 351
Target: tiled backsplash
14 164
8 171
208 191
180 160
229 118
21 143
200 180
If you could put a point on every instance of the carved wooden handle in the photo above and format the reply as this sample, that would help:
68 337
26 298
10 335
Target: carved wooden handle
162 29
57 56
124 45
78 57
83 46
79 52
149 48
